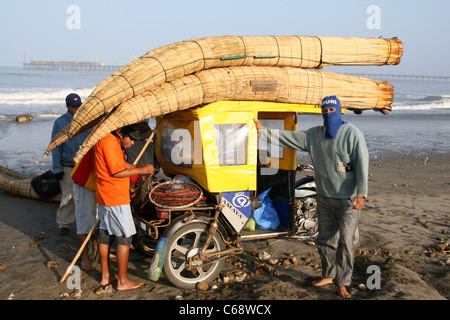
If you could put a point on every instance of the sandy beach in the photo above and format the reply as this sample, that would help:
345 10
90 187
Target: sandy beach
404 226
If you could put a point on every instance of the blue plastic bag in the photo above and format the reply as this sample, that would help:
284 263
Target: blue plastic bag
266 217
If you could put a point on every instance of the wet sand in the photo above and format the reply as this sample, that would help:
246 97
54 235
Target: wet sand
404 232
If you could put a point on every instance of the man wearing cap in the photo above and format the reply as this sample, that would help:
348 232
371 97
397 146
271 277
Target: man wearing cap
62 164
339 154
112 195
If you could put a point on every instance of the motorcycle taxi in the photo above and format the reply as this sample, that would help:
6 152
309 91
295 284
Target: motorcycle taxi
191 216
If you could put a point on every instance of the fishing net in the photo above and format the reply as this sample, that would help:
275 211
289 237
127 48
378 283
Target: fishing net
175 194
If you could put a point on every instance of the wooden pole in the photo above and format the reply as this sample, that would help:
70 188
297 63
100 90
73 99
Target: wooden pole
69 269
144 147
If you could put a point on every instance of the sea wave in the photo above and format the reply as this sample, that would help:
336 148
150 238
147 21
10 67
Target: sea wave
430 104
43 97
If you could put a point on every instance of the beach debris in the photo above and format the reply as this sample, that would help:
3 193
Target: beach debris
52 265
76 294
225 279
362 287
259 271
273 261
11 296
3 266
441 247
268 268
202 286
240 276
103 289
286 262
34 245
293 260
264 255
24 118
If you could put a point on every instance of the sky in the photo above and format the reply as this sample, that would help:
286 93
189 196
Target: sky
115 32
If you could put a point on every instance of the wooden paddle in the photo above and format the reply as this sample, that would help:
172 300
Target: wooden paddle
69 269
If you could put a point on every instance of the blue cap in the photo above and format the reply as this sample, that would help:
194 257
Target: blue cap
73 100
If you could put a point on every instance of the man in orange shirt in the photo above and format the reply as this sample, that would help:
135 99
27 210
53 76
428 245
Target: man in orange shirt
112 195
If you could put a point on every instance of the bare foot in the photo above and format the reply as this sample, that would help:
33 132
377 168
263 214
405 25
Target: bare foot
86 265
323 282
342 292
128 285
109 279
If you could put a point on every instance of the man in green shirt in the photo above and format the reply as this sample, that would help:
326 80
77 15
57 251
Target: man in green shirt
339 154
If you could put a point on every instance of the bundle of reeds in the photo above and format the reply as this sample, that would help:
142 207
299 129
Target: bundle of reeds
286 85
163 71
20 185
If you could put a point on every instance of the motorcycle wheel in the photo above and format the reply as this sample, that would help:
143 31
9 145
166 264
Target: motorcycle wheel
143 244
185 243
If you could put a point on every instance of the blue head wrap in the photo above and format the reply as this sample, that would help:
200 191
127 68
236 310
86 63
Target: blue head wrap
332 120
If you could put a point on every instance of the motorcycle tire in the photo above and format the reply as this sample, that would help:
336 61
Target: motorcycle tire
185 243
142 243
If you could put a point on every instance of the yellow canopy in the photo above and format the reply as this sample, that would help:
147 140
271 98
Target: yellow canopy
217 145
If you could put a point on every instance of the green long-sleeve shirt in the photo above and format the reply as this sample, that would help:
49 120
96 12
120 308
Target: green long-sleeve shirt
340 164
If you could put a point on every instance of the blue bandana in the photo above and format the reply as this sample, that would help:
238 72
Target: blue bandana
332 120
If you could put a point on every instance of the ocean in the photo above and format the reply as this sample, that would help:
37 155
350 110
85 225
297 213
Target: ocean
41 93
419 119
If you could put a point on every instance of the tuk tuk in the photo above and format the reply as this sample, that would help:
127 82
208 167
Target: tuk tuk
216 149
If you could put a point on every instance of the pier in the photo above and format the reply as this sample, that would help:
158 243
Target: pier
399 76
69 66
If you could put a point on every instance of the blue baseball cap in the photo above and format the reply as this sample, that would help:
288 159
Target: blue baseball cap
73 100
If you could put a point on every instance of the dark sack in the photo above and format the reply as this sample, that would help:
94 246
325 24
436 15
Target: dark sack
46 185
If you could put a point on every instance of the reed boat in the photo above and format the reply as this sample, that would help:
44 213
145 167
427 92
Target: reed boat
284 85
176 61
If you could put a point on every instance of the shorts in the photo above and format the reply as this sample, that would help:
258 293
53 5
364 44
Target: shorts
85 209
117 220
106 238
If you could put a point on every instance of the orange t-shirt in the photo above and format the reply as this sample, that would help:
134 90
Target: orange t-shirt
108 160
